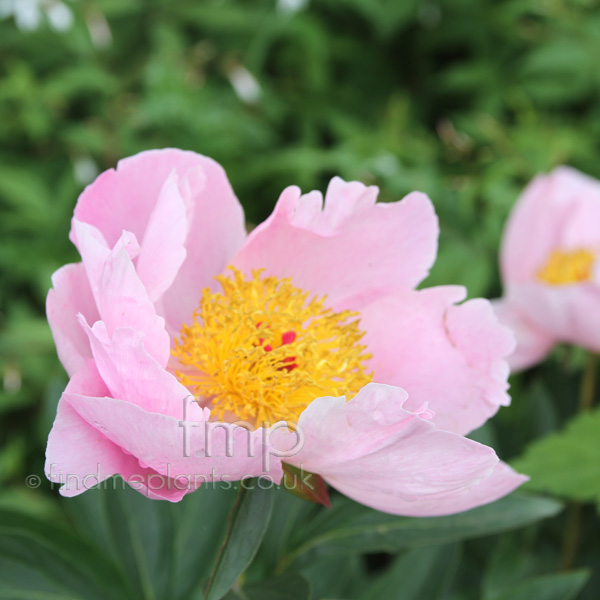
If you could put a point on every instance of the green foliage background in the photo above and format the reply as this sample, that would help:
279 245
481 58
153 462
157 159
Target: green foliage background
463 99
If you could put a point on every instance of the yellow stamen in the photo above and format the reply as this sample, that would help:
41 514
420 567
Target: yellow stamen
261 350
568 266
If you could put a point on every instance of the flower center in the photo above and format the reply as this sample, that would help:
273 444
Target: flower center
568 266
261 350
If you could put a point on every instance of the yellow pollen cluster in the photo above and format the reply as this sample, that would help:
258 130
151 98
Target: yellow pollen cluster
568 266
261 350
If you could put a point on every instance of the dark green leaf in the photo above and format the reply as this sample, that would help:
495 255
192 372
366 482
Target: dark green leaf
38 556
352 528
284 587
249 519
165 549
420 573
563 586
566 463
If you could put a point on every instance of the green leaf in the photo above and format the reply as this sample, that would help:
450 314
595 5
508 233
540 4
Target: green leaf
548 74
336 577
200 520
283 587
511 562
142 537
352 528
420 573
166 550
37 557
248 522
566 463
385 16
122 545
563 586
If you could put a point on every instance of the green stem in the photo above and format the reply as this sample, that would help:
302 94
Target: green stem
574 515
588 384
572 534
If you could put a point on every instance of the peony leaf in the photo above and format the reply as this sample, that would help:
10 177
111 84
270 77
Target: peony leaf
419 573
248 521
38 560
283 587
139 534
551 461
562 586
350 528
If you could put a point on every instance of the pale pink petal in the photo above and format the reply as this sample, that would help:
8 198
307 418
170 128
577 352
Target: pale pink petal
127 198
569 313
350 249
533 342
181 448
131 373
121 297
582 194
124 303
596 273
556 211
531 232
94 250
501 482
163 246
215 232
451 357
188 448
70 294
375 451
79 456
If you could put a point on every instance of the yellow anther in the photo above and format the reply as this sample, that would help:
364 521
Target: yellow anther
261 350
568 266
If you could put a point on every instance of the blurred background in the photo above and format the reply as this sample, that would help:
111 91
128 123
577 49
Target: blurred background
465 100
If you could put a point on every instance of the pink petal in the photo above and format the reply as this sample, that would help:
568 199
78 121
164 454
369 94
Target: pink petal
182 445
533 343
214 451
215 233
123 303
351 250
71 294
581 229
375 451
121 297
146 195
163 246
131 373
501 482
556 211
125 198
567 313
94 250
79 456
450 357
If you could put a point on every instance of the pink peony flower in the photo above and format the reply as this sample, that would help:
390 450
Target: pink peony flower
550 262
177 325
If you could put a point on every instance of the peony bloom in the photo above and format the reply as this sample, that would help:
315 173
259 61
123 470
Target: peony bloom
177 325
550 262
